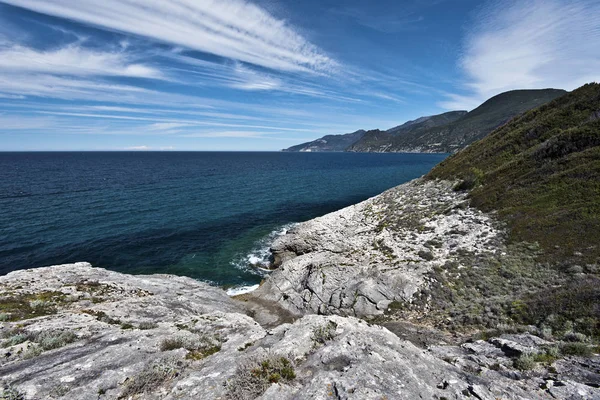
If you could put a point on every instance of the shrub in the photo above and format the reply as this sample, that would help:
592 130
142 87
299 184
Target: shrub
198 347
4 317
16 339
53 339
10 393
254 376
576 349
471 180
151 377
32 352
524 362
47 340
575 337
147 325
322 334
569 308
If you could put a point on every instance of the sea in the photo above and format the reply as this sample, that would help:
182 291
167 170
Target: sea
207 215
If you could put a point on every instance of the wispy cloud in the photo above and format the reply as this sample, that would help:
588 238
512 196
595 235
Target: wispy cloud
72 60
233 29
530 44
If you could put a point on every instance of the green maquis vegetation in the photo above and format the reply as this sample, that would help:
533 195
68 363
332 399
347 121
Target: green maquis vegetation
541 173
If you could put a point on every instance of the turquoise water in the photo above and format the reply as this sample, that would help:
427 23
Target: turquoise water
203 215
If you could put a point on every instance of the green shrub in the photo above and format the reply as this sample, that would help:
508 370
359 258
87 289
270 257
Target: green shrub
16 339
322 334
53 339
471 180
576 349
198 347
47 340
573 307
254 376
524 362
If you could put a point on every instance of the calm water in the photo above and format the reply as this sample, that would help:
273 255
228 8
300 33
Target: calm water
203 215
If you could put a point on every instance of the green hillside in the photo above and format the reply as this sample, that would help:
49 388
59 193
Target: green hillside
476 124
541 173
381 141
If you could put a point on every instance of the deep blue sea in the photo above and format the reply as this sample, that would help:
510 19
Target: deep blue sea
200 214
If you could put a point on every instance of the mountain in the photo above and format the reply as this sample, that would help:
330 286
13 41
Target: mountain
424 123
541 174
383 141
461 129
328 143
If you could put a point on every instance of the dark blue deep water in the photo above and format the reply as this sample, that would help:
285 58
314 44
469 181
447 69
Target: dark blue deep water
202 215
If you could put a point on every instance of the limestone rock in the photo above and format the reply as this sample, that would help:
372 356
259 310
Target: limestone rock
358 260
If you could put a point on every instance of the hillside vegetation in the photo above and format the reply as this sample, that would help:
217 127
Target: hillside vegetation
460 129
541 173
382 141
444 133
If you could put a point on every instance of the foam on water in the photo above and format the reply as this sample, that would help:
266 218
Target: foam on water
236 291
258 259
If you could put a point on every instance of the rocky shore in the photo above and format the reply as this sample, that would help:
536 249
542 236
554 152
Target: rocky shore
359 260
320 326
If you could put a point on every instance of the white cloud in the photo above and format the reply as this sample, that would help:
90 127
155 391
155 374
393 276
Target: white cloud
233 29
72 60
527 44
167 122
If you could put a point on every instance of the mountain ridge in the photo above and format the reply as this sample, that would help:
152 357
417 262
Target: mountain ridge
442 133
335 143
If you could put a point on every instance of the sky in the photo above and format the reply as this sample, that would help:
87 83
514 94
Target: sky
262 75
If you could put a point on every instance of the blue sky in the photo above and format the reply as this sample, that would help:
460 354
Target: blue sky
267 74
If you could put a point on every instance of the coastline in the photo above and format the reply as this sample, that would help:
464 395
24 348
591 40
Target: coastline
195 341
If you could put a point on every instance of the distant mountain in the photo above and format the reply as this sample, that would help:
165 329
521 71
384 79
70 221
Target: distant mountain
329 143
383 141
423 123
443 133
434 135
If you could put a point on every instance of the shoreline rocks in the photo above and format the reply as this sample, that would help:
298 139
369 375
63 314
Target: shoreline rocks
359 260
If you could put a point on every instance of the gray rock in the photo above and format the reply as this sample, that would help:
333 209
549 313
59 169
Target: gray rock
360 259
198 344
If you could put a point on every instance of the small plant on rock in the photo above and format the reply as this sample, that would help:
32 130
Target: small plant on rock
198 347
322 334
254 376
147 325
151 377
11 393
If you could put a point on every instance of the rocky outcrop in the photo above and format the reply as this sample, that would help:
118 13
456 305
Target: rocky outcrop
359 260
105 334
77 332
